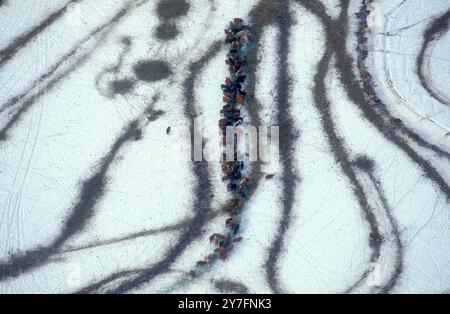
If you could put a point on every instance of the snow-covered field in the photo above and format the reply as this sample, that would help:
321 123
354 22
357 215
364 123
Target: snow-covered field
96 196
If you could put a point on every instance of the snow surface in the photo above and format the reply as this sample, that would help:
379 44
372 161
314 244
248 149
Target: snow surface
64 136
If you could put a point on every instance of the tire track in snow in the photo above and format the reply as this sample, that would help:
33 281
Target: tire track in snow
288 138
368 166
14 198
92 190
398 267
434 32
21 41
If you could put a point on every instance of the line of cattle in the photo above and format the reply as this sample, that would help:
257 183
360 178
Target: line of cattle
239 39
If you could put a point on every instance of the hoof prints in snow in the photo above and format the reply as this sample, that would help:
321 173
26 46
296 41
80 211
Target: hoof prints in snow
168 11
172 9
152 70
122 86
167 30
116 86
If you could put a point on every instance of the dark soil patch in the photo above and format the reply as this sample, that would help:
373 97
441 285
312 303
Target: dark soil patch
172 9
228 286
122 86
363 162
126 40
154 115
167 31
152 70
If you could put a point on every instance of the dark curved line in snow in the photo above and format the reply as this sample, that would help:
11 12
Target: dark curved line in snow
399 253
399 258
104 282
27 104
19 42
398 268
288 137
92 190
434 32
367 166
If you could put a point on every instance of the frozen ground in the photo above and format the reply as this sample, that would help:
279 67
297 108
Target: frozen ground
95 196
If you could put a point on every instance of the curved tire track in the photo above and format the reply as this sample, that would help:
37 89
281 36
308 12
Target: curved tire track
434 32
398 266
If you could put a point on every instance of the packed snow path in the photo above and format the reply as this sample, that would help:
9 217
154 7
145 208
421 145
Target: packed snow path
93 200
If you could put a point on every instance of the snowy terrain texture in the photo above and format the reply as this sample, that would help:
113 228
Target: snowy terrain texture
91 199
